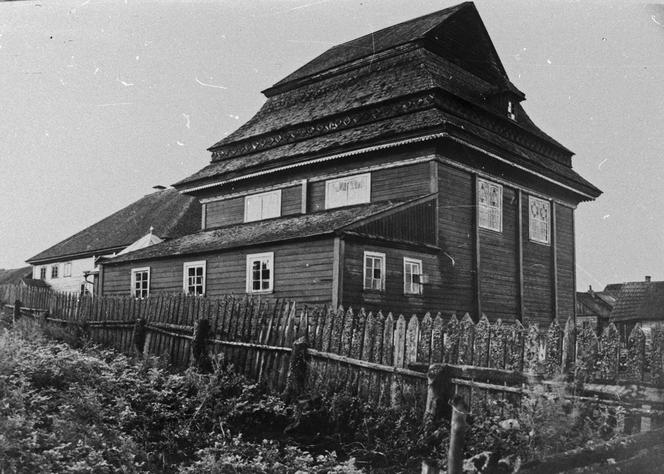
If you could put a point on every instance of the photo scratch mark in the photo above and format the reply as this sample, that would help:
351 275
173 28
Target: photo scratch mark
606 216
236 117
113 104
209 85
653 18
187 119
124 83
599 167
178 142
307 5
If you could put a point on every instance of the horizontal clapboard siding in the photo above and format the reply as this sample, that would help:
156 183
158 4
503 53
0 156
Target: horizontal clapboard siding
393 298
302 271
455 224
499 287
393 183
231 211
565 261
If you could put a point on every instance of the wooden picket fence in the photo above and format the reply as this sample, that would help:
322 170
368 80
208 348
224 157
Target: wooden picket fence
381 358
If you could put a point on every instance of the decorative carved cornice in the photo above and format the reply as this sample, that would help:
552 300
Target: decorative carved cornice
321 127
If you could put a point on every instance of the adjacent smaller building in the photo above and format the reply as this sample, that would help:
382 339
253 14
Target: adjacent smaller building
639 302
593 308
71 265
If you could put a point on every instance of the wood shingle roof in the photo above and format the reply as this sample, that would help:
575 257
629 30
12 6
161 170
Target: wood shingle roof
639 301
170 213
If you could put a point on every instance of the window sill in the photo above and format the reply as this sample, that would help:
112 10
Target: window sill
260 292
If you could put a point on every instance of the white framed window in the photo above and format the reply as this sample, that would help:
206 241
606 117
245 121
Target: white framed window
412 276
490 202
374 271
260 272
539 220
140 282
194 277
348 190
66 269
55 270
42 273
262 206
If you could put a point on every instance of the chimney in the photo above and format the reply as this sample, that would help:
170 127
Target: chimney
158 187
648 278
590 291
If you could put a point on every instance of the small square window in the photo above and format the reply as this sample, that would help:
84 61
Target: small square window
539 220
55 269
66 269
490 205
260 272
348 190
140 282
194 278
412 276
374 271
262 206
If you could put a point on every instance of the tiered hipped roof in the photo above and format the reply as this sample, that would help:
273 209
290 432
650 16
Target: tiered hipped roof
437 75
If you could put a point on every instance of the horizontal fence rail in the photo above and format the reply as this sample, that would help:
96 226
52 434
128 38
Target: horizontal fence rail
379 357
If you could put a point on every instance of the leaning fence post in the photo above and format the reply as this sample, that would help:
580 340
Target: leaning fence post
17 311
199 356
138 335
458 427
297 370
439 391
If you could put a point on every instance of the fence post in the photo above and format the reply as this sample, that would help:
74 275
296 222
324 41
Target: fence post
199 356
138 336
458 427
439 391
17 311
297 370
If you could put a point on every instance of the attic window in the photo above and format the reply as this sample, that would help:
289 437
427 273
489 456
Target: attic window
262 206
348 190
510 110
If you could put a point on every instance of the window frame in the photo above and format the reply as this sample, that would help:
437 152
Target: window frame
185 277
532 237
489 207
66 270
55 271
132 290
420 288
330 182
383 257
276 192
250 259
42 272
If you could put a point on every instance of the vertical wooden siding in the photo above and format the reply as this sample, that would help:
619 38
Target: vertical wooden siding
498 270
455 227
565 245
231 211
537 275
302 270
393 183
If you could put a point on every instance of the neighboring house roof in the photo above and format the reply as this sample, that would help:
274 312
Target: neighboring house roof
640 301
268 231
437 74
146 241
168 212
14 275
594 303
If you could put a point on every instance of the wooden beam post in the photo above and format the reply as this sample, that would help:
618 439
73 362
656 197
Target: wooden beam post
297 371
305 192
476 230
338 272
458 428
519 243
554 260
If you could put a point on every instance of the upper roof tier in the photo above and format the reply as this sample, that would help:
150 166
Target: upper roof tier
428 75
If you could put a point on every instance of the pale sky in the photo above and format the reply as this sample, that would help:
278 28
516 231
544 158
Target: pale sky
101 100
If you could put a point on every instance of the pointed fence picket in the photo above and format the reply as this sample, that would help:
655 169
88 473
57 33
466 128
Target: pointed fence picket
379 356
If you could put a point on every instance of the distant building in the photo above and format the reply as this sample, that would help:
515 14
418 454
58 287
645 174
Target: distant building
397 171
639 302
593 308
71 265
